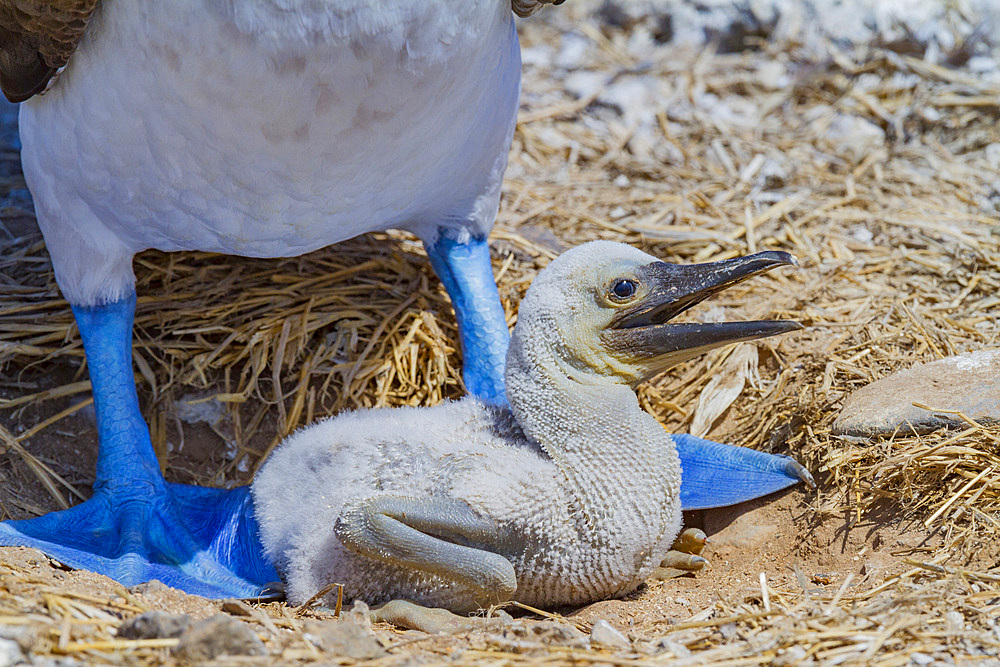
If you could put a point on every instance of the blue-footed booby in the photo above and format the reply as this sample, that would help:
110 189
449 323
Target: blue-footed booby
570 495
262 128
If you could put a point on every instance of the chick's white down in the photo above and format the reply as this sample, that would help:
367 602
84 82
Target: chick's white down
581 484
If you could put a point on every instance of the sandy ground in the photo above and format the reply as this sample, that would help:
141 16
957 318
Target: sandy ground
783 537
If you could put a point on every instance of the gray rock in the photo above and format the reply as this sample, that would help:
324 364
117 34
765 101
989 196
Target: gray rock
350 636
603 634
216 636
155 625
146 587
967 382
344 638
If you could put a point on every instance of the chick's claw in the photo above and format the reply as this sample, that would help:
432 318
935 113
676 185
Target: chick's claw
684 557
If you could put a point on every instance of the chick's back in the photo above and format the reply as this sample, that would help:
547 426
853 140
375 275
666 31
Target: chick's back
461 450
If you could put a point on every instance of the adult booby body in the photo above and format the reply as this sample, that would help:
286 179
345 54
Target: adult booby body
569 496
261 128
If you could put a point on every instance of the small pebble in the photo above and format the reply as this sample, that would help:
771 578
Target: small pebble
604 634
219 635
679 651
861 234
993 155
23 635
545 632
790 656
772 175
855 137
151 586
344 638
237 608
350 636
920 659
155 625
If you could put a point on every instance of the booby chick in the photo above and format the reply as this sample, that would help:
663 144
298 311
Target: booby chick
569 496
263 128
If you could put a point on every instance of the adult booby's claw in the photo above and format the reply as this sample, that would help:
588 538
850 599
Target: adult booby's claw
137 527
467 275
795 469
716 475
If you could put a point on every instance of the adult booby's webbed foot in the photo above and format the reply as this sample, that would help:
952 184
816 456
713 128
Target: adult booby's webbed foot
433 620
684 556
465 270
717 475
416 534
136 526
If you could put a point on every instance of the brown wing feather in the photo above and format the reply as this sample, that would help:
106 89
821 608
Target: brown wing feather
37 37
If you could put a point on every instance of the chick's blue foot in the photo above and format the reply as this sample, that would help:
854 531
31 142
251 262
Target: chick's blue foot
465 270
136 526
717 475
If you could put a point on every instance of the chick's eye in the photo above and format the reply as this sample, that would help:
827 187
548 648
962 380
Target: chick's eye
623 289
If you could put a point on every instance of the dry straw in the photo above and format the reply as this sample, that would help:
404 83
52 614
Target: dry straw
900 258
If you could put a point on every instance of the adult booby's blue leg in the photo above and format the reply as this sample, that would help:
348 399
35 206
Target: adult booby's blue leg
716 475
136 526
467 274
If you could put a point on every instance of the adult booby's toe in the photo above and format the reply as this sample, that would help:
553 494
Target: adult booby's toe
912 400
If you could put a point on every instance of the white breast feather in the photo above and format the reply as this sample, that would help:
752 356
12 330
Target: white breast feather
268 128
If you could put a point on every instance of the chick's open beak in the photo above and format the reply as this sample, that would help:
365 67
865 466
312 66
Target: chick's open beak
643 331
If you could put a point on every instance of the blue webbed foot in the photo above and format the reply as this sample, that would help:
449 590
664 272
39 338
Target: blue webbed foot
202 541
467 275
136 526
717 475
